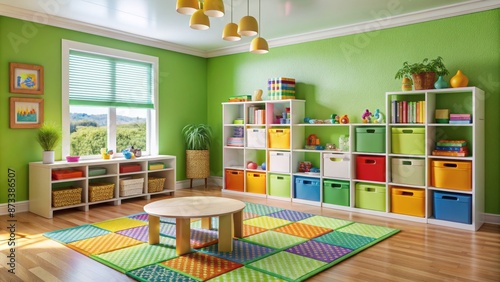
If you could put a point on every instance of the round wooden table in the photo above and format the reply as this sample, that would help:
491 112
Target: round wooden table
229 211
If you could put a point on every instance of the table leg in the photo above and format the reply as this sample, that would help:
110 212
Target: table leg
182 236
206 223
225 233
154 230
238 224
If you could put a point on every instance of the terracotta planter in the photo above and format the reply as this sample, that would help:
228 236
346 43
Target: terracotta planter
197 164
424 80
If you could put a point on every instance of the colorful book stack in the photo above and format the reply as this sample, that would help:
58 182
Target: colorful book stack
451 148
281 88
240 98
238 139
407 112
460 118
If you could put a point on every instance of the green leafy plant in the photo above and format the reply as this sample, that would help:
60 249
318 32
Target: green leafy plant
435 65
48 136
197 136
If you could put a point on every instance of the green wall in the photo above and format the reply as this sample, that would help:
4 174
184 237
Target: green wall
350 73
182 93
342 75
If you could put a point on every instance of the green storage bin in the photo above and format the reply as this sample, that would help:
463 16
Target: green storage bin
408 140
336 192
370 196
370 139
95 171
279 185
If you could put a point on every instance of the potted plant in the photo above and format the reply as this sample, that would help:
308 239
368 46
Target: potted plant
423 74
198 138
48 136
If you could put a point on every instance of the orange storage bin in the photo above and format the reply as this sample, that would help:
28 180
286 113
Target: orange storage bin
235 180
279 138
408 201
451 174
256 182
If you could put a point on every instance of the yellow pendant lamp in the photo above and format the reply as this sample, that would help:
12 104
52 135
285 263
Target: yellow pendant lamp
213 8
199 20
259 45
187 7
230 32
248 25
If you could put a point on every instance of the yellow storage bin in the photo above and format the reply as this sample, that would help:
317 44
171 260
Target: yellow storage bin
279 138
256 182
408 201
408 140
451 174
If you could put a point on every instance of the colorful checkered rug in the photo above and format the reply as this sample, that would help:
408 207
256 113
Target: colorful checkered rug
274 239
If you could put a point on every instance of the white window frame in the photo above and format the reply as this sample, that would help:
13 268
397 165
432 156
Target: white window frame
152 139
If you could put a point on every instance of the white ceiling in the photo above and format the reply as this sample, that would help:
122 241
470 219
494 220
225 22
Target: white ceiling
156 23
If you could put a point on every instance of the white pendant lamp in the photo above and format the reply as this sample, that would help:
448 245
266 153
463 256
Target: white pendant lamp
187 7
213 8
248 25
230 32
199 20
259 45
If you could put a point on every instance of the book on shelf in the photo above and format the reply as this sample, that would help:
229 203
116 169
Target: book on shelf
450 153
407 111
452 148
452 143
459 121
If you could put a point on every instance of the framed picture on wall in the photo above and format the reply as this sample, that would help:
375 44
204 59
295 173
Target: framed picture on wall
26 79
26 112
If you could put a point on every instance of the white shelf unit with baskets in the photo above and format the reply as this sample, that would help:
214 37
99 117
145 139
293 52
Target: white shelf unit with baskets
98 181
459 100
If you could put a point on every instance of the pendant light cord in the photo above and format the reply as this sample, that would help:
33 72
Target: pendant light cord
260 25
231 10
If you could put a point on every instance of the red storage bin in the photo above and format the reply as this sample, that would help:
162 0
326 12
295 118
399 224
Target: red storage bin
59 174
370 168
130 168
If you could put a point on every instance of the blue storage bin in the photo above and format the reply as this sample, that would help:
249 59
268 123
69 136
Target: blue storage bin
307 188
453 207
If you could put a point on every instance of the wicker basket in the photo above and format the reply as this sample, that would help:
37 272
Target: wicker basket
101 191
197 164
155 184
66 197
131 186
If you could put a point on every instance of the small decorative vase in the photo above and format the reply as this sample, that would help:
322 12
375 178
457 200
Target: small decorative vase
440 83
48 157
459 80
406 84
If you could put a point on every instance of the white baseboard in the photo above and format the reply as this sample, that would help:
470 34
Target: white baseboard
492 218
22 206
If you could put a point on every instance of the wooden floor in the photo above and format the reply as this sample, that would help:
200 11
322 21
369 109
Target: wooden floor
419 252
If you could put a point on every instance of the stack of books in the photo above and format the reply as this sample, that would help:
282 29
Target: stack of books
281 88
407 112
460 118
240 98
451 148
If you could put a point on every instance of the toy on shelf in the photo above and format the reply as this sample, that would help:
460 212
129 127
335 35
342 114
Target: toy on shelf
367 115
335 119
257 95
305 166
252 165
344 119
378 117
343 143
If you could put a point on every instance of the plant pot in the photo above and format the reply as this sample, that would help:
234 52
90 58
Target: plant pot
197 164
424 80
48 157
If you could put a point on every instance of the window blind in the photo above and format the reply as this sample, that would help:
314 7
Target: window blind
97 80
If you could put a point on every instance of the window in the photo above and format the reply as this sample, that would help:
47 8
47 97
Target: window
109 100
